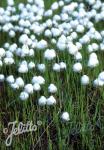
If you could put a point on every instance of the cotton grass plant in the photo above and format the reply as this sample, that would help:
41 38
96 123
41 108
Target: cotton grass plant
51 69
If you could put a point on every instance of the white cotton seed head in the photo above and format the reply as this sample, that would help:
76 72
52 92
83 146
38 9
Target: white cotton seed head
53 41
49 22
61 46
64 16
5 28
18 52
2 52
61 3
48 13
6 45
19 81
56 32
78 56
54 6
101 76
79 45
31 52
41 80
98 36
72 49
24 96
62 65
23 68
74 35
9 54
42 44
62 39
84 80
9 61
90 48
25 50
12 34
23 39
65 116
80 29
2 77
10 2
95 46
93 62
93 55
42 101
29 42
28 88
56 67
10 79
35 79
30 1
102 47
24 62
56 18
36 87
52 88
48 33
51 101
14 86
77 67
38 79
26 31
85 39
31 65
21 6
49 54
41 67
98 82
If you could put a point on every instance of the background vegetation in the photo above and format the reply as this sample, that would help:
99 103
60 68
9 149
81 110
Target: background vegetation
84 131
